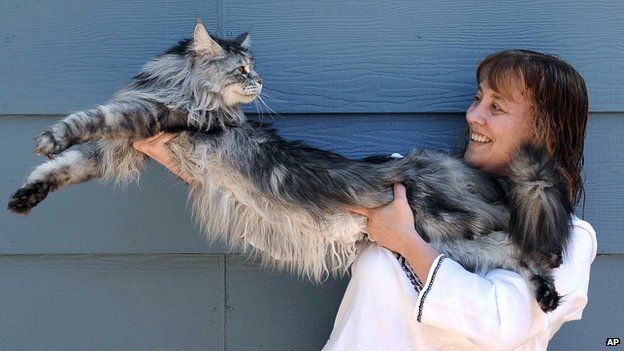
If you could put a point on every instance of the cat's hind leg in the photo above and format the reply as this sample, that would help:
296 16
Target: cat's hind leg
73 166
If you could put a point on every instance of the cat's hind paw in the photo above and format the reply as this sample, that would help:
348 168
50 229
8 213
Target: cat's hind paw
47 144
546 294
27 197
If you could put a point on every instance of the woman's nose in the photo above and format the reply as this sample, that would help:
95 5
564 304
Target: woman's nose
475 115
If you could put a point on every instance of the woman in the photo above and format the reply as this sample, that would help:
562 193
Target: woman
522 96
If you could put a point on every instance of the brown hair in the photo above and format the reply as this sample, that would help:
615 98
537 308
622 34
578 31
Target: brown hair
558 96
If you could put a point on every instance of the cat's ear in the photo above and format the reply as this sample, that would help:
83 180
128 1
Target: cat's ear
204 44
243 40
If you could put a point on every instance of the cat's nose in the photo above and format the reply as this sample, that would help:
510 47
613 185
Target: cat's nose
259 81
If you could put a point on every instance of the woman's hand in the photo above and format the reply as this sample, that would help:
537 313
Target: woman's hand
392 226
154 147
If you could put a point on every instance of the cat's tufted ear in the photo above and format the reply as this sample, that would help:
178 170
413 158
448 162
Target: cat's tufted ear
243 40
204 44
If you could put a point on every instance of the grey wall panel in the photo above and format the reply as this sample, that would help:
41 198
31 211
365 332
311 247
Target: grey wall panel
274 311
602 318
70 54
406 56
362 135
390 70
112 302
96 217
155 218
604 180
315 56
93 217
173 302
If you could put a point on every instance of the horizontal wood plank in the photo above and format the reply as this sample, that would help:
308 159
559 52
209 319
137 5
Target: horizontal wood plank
112 302
268 310
159 302
305 313
314 56
602 317
406 56
96 218
70 55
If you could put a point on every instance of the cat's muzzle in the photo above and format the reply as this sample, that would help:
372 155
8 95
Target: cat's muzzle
252 89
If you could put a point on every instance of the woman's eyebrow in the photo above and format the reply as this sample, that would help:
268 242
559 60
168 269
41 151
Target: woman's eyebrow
498 96
495 95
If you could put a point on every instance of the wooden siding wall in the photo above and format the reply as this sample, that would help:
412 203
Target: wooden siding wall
100 268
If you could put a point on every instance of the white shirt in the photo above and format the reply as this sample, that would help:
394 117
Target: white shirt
459 310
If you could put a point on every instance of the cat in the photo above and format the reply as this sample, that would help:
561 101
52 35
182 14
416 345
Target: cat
285 200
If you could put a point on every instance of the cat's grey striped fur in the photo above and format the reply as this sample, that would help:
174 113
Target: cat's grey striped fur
285 199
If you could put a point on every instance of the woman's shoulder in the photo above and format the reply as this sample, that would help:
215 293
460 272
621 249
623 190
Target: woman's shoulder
583 236
577 222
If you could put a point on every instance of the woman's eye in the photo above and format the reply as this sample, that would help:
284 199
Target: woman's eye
497 108
476 98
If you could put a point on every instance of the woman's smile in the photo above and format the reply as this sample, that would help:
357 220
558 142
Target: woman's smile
479 138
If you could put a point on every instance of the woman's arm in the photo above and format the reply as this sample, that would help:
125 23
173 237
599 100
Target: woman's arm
498 310
495 311
154 147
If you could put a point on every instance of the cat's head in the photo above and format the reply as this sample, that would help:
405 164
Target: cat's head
200 75
226 66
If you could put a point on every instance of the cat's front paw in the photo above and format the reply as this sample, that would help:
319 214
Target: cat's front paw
48 144
27 197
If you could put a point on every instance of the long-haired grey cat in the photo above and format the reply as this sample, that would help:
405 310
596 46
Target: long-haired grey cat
283 198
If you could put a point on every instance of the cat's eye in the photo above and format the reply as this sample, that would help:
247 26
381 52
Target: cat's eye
242 69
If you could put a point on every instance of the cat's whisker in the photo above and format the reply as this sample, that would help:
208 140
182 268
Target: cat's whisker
267 109
271 111
265 94
269 96
260 111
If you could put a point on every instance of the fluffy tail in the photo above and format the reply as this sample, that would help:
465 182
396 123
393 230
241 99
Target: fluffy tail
540 207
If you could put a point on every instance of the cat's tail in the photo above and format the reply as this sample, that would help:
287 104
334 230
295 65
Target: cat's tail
540 207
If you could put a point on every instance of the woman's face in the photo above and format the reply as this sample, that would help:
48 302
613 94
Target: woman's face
497 128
